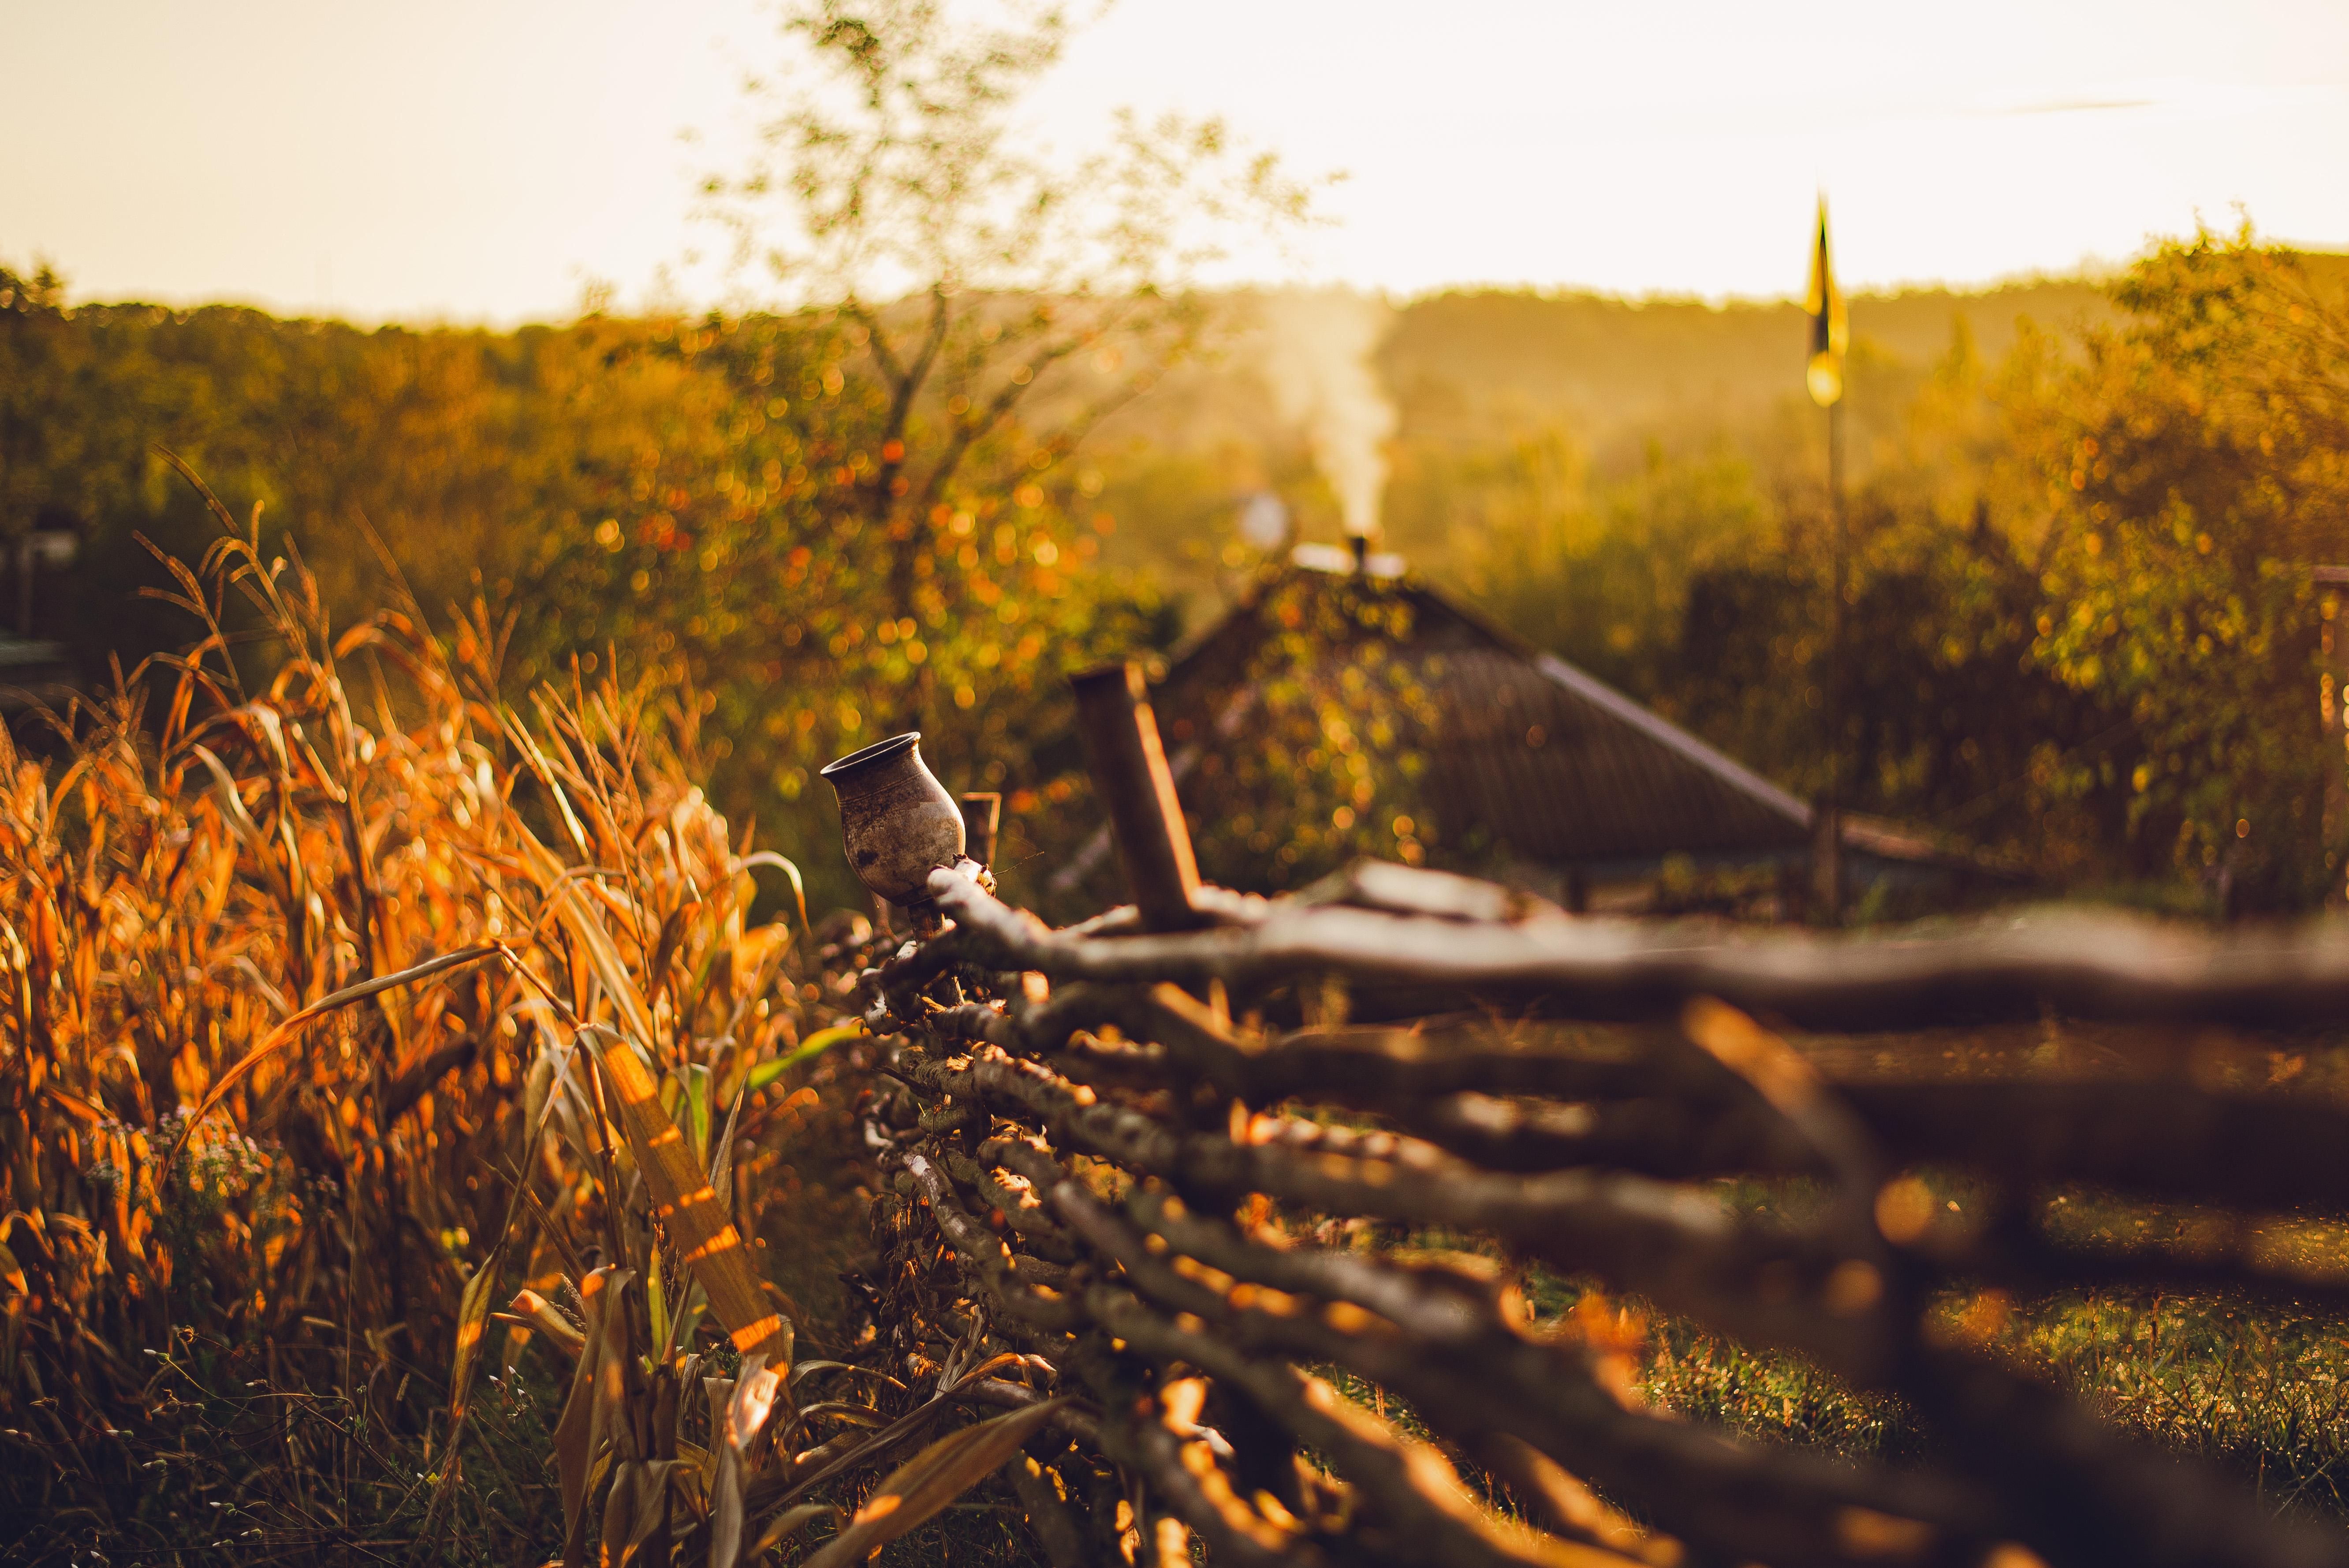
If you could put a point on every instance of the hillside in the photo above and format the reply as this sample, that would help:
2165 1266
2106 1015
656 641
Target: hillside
1476 378
1611 370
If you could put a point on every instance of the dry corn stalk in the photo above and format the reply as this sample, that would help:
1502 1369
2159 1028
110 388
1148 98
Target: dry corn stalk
301 934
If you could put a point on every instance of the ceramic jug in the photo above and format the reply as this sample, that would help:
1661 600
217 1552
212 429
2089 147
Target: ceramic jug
896 819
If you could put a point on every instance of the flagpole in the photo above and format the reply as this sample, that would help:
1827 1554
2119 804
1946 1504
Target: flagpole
1830 330
1838 674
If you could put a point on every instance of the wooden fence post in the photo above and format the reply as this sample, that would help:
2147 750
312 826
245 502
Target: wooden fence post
1128 770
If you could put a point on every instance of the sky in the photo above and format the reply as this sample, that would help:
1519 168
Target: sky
484 160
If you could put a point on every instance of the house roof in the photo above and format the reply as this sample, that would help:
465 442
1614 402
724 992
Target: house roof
1564 770
1552 762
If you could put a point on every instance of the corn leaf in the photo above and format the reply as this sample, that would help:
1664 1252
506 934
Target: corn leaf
574 908
718 1392
637 1515
293 1026
656 1296
232 805
721 1154
539 764
683 1199
534 1312
695 1077
929 1481
787 1523
691 1478
814 1046
799 888
687 1207
752 1402
473 1321
805 1369
598 1387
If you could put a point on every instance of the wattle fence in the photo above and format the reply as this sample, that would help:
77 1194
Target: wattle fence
1184 1172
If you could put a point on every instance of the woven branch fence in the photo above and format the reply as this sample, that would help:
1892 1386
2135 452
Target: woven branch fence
1115 1189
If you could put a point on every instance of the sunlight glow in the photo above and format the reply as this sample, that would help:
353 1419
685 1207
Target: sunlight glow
489 161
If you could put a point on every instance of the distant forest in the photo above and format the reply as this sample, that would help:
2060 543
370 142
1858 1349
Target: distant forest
2080 511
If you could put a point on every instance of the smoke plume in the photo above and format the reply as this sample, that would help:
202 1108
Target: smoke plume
1317 358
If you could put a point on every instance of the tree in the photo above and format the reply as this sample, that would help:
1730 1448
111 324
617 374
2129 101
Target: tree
2191 468
35 352
998 303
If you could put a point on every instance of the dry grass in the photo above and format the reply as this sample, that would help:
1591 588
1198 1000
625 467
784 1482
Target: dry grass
246 1346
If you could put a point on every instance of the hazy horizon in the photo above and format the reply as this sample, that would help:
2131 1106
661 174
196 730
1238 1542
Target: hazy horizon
2091 271
485 164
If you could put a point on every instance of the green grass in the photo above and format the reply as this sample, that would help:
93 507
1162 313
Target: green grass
2257 1388
2260 1389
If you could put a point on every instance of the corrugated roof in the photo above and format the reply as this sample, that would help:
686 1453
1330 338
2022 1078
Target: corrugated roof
1547 759
1564 769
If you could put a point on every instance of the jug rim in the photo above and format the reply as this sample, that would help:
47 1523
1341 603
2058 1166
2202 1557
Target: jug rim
878 751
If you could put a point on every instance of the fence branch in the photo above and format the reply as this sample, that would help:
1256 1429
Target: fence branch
1161 1173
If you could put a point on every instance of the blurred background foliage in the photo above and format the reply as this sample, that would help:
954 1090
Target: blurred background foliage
1327 761
2084 519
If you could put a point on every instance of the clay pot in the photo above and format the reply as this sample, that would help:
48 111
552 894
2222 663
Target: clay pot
896 819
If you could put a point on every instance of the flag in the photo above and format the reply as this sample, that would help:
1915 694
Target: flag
1830 327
